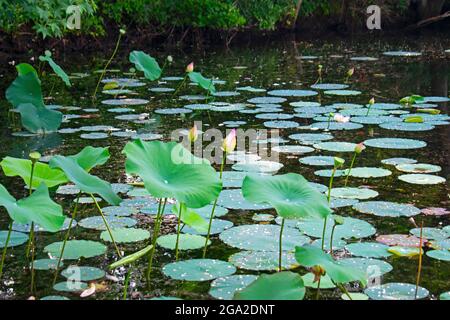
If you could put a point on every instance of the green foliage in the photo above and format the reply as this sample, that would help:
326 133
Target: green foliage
147 64
55 67
266 13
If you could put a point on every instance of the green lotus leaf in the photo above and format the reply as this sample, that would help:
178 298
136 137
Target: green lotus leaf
186 241
147 64
190 217
83 180
310 256
38 208
131 258
55 67
83 273
203 82
225 288
198 269
39 119
279 286
125 235
170 171
91 157
75 249
26 88
290 194
42 172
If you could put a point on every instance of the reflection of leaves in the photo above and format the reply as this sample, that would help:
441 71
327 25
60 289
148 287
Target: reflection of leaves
39 143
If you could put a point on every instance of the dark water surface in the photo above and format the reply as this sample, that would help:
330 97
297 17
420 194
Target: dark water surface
273 65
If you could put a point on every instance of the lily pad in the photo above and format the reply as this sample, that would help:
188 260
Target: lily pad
233 199
258 237
126 235
336 126
225 288
369 172
114 222
292 93
263 260
186 241
336 146
395 143
418 168
430 233
281 124
16 239
329 86
353 193
261 100
46 264
398 161
368 250
343 92
70 286
396 291
421 179
402 240
404 126
76 249
198 269
260 166
373 268
387 209
83 273
443 255
325 281
217 226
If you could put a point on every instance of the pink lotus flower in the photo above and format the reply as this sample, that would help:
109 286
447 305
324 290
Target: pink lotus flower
190 67
193 134
229 144
340 118
360 147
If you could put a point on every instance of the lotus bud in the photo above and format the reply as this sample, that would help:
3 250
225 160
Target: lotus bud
413 222
317 271
372 101
338 162
169 59
193 134
190 67
340 118
132 70
350 72
122 31
34 156
360 147
338 219
229 144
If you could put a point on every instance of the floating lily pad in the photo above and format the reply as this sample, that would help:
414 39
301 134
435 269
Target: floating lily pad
198 269
432 211
126 101
16 239
387 209
398 161
295 149
83 273
341 203
260 237
217 226
161 89
363 59
343 92
206 211
281 124
357 296
76 249
336 126
443 255
310 138
198 106
402 53
395 143
94 136
185 242
396 291
445 295
436 99
421 179
430 233
418 168
125 235
225 288
46 264
337 243
274 116
329 86
372 267
336 146
233 199
292 93
261 100
402 240
119 211
368 250
70 286
441 244
353 193
114 222
172 111
404 251
54 298
258 166
263 217
369 172
263 260
327 173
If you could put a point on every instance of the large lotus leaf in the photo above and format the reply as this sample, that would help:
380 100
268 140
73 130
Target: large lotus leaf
387 209
83 180
198 269
26 88
279 286
310 256
38 208
396 291
170 171
42 172
263 260
207 84
147 64
125 235
56 68
76 249
190 217
39 119
290 194
91 157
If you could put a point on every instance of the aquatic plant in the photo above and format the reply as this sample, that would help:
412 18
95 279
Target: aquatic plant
410 100
360 147
25 95
147 64
371 103
47 57
349 74
168 170
290 194
228 145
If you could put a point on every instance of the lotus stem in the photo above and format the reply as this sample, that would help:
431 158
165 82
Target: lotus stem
208 234
343 289
350 169
329 120
127 283
419 268
280 243
31 240
181 84
178 233
8 237
155 237
318 289
330 186
323 232
106 225
66 237
331 238
107 65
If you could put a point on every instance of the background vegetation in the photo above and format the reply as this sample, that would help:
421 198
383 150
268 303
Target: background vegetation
47 18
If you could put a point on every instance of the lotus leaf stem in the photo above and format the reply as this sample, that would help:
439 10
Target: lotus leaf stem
323 232
318 289
156 229
350 169
127 282
280 243
178 233
419 269
331 238
8 237
31 238
181 84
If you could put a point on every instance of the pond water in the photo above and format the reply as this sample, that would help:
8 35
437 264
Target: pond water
283 65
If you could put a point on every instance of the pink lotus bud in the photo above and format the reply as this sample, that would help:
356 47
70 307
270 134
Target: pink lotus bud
190 67
340 118
229 144
193 134
360 147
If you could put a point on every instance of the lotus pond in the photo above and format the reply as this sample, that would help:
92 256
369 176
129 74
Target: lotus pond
352 204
